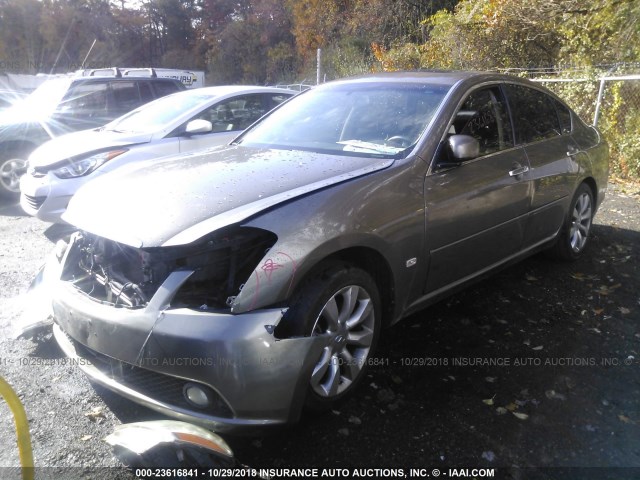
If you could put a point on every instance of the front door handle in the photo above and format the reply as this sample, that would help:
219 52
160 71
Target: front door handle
518 171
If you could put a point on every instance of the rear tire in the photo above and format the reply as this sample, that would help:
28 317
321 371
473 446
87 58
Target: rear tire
342 302
575 233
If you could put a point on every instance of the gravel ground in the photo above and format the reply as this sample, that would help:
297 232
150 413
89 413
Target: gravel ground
535 367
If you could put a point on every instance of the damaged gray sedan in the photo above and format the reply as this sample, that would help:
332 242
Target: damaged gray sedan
237 287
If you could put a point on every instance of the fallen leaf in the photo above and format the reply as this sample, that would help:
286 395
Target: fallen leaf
512 407
488 401
624 310
553 395
538 348
490 379
355 420
606 290
489 456
531 278
86 437
598 311
625 419
521 416
95 414
501 410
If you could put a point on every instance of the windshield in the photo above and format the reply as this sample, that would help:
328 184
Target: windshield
378 119
158 114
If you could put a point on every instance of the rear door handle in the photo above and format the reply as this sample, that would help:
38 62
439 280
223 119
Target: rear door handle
518 171
572 151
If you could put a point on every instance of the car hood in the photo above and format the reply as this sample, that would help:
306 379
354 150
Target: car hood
82 143
177 200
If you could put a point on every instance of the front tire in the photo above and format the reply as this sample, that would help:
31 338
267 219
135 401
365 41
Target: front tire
343 303
11 169
575 233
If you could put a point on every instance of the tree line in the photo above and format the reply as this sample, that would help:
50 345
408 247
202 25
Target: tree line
235 41
271 41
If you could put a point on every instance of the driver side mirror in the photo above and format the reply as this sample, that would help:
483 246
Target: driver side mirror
458 149
463 147
198 125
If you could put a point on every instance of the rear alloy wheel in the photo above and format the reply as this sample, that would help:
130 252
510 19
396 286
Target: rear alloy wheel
10 172
573 238
342 303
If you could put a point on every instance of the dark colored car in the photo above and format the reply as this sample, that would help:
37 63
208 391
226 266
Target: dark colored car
68 104
237 286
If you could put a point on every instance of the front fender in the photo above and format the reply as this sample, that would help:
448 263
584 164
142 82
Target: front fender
339 220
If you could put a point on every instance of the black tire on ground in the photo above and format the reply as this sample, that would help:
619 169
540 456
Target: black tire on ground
341 301
575 233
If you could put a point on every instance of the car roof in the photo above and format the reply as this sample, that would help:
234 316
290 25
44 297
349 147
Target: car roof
106 78
232 89
440 77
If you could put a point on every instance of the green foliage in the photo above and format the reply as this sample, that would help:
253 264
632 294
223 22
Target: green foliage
345 58
523 34
626 148
620 125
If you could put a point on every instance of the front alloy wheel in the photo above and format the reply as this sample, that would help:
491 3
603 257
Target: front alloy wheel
349 319
341 303
10 172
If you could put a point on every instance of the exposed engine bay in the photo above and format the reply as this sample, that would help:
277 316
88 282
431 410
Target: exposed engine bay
123 276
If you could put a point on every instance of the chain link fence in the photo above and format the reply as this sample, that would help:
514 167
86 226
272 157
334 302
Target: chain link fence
613 104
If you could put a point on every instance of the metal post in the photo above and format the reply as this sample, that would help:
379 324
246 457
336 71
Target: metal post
319 66
596 115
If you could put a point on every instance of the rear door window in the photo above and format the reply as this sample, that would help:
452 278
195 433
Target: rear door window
277 99
146 94
125 97
164 88
564 115
534 114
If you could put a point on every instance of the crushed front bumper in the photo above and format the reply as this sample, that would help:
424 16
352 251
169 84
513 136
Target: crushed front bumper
152 355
